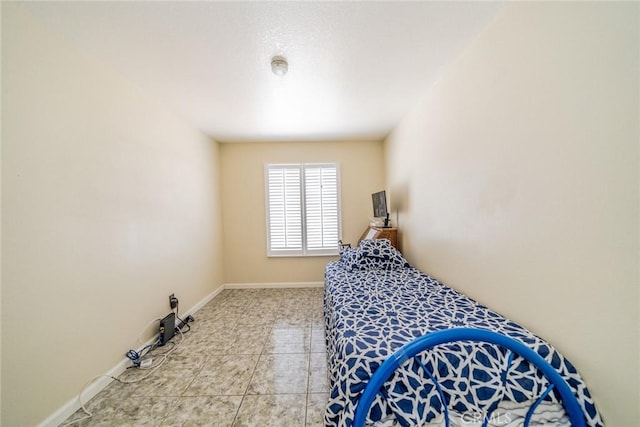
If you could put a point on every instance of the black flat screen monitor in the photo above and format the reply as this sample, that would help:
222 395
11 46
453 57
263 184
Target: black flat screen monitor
380 206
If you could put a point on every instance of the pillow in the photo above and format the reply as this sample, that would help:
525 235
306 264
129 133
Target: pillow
378 248
373 254
349 257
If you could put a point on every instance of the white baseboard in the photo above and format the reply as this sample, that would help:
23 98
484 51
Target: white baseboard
98 383
93 387
204 301
273 285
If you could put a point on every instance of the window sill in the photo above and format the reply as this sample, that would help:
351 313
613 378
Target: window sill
290 255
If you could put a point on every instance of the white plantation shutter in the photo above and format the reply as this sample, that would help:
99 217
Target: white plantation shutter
284 208
321 207
303 209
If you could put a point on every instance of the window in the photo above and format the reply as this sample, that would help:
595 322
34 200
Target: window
303 209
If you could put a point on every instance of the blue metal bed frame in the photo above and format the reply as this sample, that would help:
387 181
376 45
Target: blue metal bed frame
433 339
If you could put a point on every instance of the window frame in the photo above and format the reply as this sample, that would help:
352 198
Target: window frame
304 251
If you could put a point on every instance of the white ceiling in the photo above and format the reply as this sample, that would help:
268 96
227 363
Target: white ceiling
355 68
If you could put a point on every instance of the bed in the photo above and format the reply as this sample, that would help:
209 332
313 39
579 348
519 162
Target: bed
376 304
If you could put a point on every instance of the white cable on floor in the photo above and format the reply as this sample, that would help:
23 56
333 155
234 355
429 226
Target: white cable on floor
151 369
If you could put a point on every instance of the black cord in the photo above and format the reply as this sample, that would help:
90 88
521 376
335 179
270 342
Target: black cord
182 322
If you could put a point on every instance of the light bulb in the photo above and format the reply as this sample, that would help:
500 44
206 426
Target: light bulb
279 65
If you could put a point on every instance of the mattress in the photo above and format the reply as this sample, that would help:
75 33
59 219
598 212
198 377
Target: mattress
373 307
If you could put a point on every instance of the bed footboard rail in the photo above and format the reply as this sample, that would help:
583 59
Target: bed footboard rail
426 342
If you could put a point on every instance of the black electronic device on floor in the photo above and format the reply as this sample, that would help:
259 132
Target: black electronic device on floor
167 328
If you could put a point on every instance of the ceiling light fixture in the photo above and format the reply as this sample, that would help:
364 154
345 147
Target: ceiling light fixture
279 65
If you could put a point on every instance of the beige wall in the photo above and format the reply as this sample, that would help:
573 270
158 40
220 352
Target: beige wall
515 180
110 203
245 244
0 228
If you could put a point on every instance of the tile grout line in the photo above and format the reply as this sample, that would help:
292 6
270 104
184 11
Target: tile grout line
235 417
252 374
306 407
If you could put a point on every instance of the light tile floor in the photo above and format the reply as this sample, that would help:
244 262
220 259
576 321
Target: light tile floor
253 357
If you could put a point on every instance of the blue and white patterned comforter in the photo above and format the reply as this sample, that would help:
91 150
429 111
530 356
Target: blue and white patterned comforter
371 312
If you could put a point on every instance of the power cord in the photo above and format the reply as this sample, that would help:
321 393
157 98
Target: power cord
182 323
136 358
153 367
